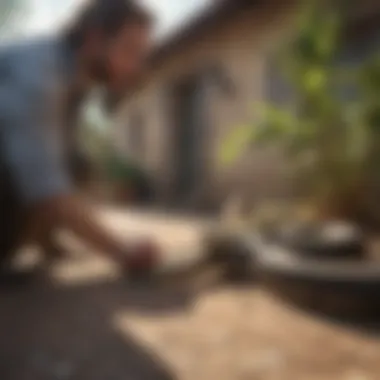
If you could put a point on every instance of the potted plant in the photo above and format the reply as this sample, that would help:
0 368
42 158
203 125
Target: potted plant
333 149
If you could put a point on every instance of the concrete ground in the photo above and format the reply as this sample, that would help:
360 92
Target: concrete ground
85 322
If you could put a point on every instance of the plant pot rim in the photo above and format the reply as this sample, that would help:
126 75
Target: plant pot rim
279 259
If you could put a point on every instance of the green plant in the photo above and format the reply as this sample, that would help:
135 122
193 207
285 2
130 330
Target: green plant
332 145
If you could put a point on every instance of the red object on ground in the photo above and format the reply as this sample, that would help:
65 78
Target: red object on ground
144 257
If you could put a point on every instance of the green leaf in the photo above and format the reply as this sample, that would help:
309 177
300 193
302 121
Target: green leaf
315 80
370 77
274 125
235 144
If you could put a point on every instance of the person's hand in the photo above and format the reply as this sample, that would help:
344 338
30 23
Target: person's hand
143 256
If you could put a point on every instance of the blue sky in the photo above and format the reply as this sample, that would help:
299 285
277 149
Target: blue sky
47 14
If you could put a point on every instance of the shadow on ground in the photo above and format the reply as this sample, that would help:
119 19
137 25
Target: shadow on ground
50 331
365 325
55 331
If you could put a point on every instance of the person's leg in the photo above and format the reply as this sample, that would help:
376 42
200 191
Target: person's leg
12 223
14 233
11 230
80 172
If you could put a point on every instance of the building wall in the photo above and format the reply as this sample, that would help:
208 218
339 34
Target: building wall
241 48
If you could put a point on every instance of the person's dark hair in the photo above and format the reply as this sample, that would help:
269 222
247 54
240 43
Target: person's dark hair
108 16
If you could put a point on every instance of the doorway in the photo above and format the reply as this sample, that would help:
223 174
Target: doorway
189 123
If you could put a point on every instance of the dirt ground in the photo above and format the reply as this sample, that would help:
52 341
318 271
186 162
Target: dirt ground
84 322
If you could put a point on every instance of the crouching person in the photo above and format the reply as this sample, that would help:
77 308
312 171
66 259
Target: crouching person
42 83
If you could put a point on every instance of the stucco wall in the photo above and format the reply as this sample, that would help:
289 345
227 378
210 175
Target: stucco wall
241 47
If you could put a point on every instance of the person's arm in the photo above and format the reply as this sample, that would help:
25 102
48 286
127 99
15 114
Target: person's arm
72 213
32 150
